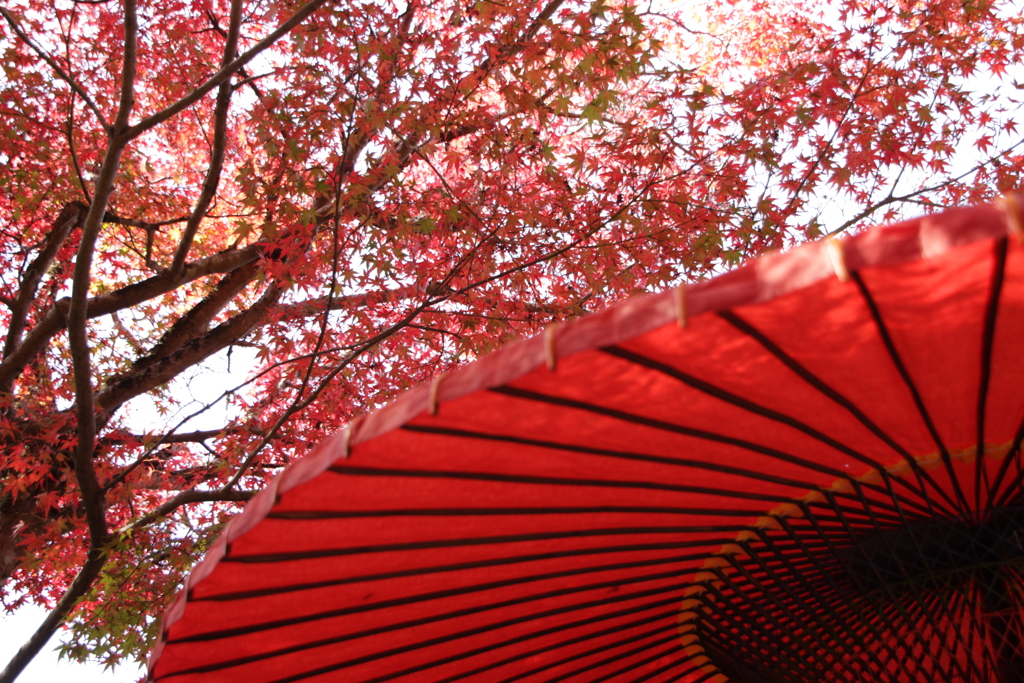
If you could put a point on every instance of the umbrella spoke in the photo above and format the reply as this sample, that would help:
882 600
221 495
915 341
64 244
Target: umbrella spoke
988 339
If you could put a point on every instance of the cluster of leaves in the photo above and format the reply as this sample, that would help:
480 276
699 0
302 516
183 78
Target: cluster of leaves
360 194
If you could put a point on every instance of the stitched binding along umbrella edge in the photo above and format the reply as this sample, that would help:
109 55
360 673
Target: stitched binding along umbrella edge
807 469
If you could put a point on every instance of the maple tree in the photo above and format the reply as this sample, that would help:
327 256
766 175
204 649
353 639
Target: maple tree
357 196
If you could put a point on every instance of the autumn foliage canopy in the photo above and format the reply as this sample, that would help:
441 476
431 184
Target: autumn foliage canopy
345 198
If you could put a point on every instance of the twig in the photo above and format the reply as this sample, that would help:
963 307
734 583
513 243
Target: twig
225 72
220 142
63 75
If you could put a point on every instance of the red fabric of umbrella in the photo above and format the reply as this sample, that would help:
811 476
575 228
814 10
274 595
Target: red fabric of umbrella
807 469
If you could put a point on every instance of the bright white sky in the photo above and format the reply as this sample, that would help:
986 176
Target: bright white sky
46 668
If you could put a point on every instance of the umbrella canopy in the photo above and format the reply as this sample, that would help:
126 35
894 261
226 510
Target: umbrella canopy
807 469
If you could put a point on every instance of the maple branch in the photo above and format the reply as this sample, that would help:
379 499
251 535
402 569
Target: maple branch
73 153
87 575
198 318
311 307
188 437
63 75
892 199
68 218
164 369
126 297
114 219
225 72
187 498
512 49
220 140
92 493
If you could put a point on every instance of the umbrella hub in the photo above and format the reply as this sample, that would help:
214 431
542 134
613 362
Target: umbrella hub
837 596
935 550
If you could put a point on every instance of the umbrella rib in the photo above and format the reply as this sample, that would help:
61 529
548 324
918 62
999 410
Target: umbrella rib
676 462
470 542
894 600
688 431
921 474
802 579
579 623
1012 457
987 342
718 606
641 457
792 595
666 640
853 605
650 675
565 609
412 599
563 481
441 569
304 515
745 404
901 368
617 628
632 665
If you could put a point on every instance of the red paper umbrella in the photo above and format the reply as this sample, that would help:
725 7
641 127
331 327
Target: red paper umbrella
806 470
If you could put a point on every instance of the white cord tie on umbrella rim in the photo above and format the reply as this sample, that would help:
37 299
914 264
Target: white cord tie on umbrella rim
435 387
837 255
549 346
679 297
346 443
1009 204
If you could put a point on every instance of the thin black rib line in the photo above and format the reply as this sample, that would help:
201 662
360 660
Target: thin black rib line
665 640
718 622
813 592
714 600
913 537
879 528
566 609
347 470
703 679
686 431
854 605
579 623
465 542
526 637
419 571
563 573
413 599
921 474
987 340
1012 458
895 599
677 662
862 622
631 626
743 590
627 455
770 591
472 653
624 669
481 512
739 402
897 361
955 615
487 476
